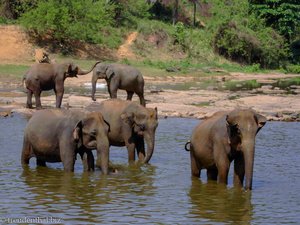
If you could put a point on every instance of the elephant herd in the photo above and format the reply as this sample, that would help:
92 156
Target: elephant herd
57 135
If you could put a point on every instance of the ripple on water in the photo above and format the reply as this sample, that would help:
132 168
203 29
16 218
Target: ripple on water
160 193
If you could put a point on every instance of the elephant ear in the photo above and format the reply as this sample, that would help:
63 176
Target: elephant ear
260 120
127 117
72 70
109 73
77 132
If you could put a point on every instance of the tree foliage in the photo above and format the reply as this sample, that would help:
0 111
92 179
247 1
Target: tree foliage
70 19
282 15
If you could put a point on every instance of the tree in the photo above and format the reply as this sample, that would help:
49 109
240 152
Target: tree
282 15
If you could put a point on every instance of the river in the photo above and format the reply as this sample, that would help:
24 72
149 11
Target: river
160 193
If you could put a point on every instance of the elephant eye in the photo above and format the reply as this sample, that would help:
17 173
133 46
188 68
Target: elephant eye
93 133
141 126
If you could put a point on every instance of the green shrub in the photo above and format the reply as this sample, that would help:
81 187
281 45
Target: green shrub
292 69
70 20
246 46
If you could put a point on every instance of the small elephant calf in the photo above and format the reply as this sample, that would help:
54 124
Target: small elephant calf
56 135
222 138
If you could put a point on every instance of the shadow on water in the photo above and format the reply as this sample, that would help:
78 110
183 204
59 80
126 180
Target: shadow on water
220 204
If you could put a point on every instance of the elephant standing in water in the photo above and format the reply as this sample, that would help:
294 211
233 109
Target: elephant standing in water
119 76
57 135
222 138
45 76
130 124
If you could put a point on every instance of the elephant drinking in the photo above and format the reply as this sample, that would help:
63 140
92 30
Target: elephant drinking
130 125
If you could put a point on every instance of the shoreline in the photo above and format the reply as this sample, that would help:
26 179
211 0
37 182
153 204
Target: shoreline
189 103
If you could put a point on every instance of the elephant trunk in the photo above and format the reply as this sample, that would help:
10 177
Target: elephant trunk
150 139
84 72
248 152
94 83
103 154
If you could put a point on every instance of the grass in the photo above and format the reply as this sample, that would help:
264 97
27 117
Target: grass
13 70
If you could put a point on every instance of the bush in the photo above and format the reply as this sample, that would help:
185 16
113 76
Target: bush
64 20
244 45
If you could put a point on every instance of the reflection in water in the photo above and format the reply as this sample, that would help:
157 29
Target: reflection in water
219 203
86 195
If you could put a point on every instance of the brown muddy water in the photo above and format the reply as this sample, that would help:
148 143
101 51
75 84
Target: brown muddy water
160 193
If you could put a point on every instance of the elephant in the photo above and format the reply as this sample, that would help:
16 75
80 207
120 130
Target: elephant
130 124
222 138
119 76
46 76
57 135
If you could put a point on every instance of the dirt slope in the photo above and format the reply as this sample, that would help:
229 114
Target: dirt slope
15 46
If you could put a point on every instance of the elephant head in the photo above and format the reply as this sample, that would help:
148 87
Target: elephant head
104 71
73 70
242 127
144 122
91 132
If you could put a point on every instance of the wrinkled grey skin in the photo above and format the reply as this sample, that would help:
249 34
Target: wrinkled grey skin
222 138
57 135
119 76
130 125
46 76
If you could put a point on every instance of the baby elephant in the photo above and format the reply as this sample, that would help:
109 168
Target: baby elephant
56 135
222 138
119 76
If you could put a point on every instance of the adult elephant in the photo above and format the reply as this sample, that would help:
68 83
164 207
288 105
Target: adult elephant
57 135
119 76
222 138
130 124
45 76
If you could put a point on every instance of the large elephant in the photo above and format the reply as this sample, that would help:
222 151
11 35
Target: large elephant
222 138
45 76
130 124
57 135
119 76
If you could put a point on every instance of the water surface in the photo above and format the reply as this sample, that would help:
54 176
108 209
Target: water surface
160 193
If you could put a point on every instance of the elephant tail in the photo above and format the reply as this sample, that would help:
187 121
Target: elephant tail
187 146
24 84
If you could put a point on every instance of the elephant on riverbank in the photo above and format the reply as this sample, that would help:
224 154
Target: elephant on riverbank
130 125
119 76
46 76
222 138
57 135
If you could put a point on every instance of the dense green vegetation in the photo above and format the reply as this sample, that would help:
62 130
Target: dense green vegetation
260 34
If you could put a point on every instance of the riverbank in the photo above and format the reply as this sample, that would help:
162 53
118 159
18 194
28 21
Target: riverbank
174 96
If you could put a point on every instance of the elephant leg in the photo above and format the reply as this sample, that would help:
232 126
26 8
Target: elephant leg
29 99
59 96
194 166
140 148
88 161
131 152
212 173
142 99
37 95
239 170
113 92
129 95
223 169
40 162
